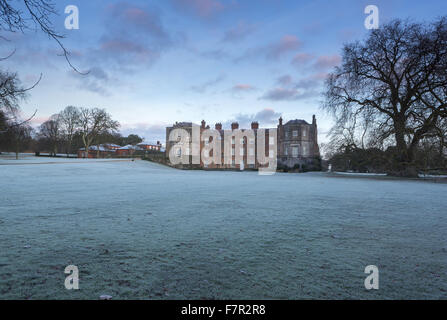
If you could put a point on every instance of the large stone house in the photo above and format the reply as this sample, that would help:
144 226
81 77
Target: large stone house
296 145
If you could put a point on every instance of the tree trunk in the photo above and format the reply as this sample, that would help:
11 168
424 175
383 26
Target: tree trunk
402 161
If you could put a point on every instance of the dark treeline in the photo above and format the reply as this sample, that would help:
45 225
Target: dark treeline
427 159
63 133
389 100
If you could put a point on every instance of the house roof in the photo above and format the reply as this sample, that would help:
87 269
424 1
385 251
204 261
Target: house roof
112 145
95 148
130 147
297 121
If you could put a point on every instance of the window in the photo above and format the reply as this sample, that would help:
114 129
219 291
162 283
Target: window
287 134
242 151
271 154
252 141
304 132
232 151
304 150
271 140
242 140
295 133
295 152
179 152
285 151
232 140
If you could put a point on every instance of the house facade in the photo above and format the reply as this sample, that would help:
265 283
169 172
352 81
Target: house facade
150 146
296 145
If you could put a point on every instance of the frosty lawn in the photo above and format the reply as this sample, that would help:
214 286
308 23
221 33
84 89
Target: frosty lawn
138 230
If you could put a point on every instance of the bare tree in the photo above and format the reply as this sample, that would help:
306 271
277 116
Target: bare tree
16 137
25 15
92 123
398 79
69 120
51 130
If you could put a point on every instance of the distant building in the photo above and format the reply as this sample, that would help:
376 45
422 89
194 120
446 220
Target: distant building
150 146
110 150
128 150
111 146
297 145
100 151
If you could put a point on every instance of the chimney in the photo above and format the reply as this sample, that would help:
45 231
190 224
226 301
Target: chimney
203 124
280 121
158 143
218 126
255 125
234 126
314 120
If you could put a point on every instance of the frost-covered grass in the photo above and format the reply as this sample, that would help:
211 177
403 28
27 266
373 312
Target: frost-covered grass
138 230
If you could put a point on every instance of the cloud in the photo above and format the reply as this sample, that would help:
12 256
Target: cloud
95 81
283 94
201 88
289 89
135 39
149 131
265 117
200 8
327 62
242 88
287 44
37 121
302 59
238 32
135 36
319 64
274 50
285 80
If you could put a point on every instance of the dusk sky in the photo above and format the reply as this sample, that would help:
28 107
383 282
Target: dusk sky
153 63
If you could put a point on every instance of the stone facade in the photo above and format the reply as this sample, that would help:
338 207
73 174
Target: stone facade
297 145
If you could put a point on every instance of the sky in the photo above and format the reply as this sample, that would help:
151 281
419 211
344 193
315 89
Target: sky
152 63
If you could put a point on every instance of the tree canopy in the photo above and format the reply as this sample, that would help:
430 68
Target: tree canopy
391 89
